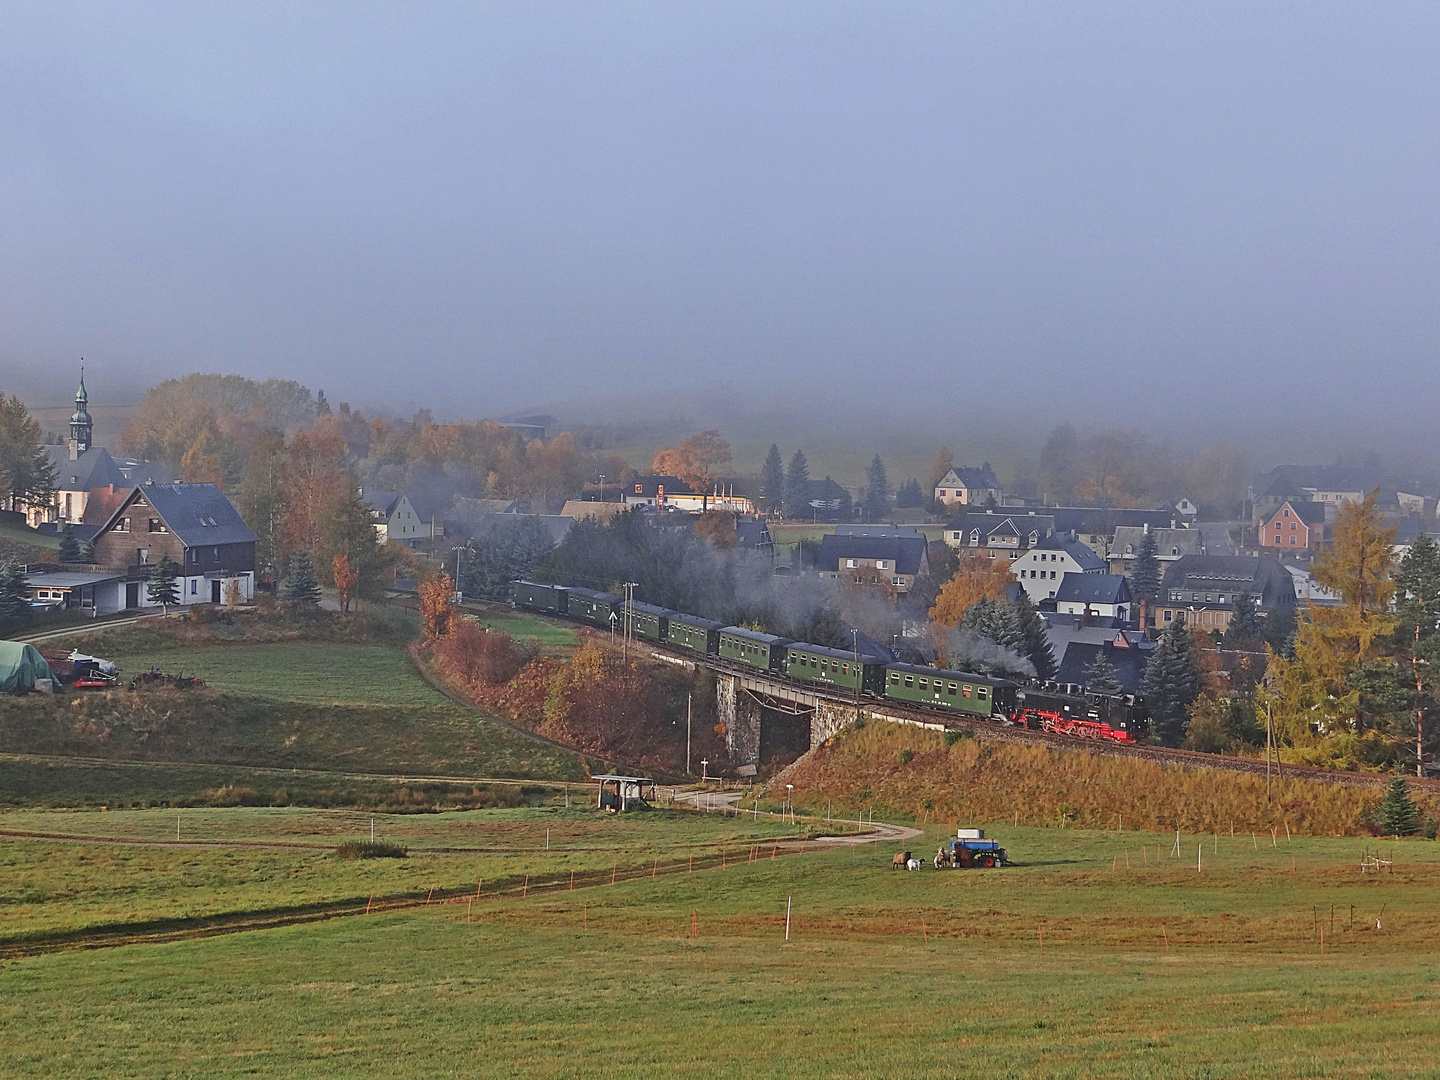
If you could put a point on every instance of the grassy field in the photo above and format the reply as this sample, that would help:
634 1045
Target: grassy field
327 706
551 637
1146 971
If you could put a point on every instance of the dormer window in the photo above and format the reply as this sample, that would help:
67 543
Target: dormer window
974 537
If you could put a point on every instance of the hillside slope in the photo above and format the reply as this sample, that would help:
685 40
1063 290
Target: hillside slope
910 772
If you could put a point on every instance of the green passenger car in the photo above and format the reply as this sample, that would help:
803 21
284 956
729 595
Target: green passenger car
977 695
540 597
594 607
764 651
646 620
694 633
833 667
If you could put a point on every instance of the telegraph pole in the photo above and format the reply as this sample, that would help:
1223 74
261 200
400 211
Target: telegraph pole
687 733
855 639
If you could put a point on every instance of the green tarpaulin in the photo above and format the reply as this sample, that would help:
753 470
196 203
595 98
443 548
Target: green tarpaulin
20 666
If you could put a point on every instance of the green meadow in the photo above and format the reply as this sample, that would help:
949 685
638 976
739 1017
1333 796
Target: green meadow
1072 963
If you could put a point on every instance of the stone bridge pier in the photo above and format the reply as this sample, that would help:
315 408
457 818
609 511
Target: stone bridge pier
740 713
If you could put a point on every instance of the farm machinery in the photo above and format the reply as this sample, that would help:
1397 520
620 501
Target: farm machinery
970 848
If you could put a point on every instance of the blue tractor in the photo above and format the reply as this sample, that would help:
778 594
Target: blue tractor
970 848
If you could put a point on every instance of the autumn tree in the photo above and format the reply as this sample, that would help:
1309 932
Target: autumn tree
940 464
718 528
1324 691
976 578
694 461
437 605
345 577
314 479
263 498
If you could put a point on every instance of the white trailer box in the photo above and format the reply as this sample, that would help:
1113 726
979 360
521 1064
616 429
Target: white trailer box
969 834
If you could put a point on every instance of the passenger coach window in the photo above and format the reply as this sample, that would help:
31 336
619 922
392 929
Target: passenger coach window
951 689
965 690
909 680
981 692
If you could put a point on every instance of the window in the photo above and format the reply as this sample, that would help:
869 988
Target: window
992 554
981 691
955 536
899 583
894 678
909 680
123 525
142 556
924 684
880 564
965 691
1129 549
950 689
194 586
1052 575
974 537
850 564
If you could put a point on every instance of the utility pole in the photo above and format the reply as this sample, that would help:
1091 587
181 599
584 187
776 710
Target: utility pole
855 640
687 733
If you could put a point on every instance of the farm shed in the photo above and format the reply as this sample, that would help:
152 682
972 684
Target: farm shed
20 666
618 792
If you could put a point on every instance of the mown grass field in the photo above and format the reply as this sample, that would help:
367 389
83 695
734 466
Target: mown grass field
1143 972
552 637
321 706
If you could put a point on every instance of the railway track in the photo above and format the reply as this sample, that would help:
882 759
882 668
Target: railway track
1000 732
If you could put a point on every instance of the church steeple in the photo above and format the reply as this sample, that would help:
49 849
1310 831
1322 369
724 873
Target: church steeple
81 425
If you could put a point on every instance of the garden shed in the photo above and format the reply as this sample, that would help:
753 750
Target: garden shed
621 793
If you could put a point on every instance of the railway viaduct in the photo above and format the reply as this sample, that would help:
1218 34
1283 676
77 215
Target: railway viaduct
743 696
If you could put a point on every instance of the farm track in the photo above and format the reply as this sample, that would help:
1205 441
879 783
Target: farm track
164 931
91 628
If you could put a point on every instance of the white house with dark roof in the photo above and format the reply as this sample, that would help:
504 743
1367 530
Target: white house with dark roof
1095 595
968 486
1043 568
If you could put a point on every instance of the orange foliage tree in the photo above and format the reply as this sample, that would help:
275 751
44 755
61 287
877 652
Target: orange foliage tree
437 605
346 577
976 578
695 460
314 476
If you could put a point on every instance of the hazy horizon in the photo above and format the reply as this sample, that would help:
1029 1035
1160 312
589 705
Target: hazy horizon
1206 223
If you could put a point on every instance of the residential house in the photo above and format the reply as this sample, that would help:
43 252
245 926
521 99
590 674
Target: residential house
1333 485
196 525
1203 589
1295 526
1170 544
892 561
1127 653
89 591
580 509
1094 595
993 534
400 517
969 487
1043 567
672 493
1095 526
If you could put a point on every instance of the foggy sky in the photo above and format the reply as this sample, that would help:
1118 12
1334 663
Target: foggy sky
1219 213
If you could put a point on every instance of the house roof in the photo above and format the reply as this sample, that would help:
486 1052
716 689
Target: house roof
1169 543
906 552
1093 589
382 502
1129 664
999 524
1311 513
970 477
93 468
752 534
1264 578
1291 479
877 530
199 514
1103 521
826 491
1085 557
64 579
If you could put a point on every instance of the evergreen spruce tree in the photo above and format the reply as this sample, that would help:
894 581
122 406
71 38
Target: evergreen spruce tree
161 587
909 494
301 587
1172 683
1244 628
69 547
1397 814
877 490
1100 676
1033 643
797 487
1145 576
14 604
772 481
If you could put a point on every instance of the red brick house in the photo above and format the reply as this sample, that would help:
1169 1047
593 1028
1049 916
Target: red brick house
1294 525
